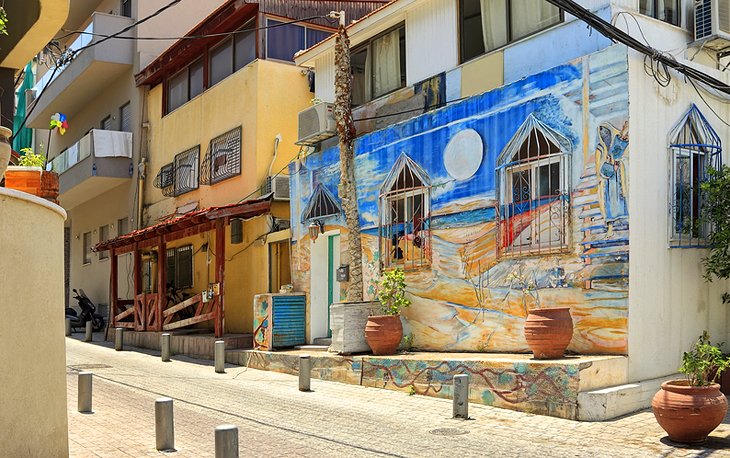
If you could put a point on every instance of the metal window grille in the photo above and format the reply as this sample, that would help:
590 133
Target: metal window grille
695 147
165 180
404 230
534 192
321 205
223 159
187 170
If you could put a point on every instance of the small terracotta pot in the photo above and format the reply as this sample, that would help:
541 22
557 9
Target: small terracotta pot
49 187
548 332
383 334
689 413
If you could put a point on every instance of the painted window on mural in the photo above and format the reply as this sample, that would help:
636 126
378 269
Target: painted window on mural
321 205
379 66
664 10
695 148
534 198
504 21
405 202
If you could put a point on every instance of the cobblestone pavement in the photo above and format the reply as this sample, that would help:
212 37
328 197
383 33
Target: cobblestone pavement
275 419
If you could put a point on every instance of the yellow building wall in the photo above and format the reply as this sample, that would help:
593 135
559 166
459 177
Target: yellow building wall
264 98
482 74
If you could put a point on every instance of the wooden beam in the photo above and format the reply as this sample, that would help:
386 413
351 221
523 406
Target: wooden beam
161 280
186 303
124 315
124 249
220 270
245 210
125 324
188 232
189 321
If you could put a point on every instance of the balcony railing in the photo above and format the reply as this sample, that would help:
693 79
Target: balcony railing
83 40
97 143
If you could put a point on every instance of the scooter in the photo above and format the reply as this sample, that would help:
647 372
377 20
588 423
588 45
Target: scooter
88 313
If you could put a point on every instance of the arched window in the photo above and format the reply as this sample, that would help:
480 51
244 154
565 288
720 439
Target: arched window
405 201
695 147
321 205
534 172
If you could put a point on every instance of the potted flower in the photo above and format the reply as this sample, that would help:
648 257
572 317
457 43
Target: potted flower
548 330
28 176
688 410
383 332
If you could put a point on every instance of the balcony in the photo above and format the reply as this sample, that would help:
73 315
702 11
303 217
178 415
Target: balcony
75 85
98 162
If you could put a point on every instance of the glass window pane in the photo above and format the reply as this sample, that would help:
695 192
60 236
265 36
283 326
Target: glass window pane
549 178
359 79
245 48
177 90
284 41
125 114
195 77
314 36
490 17
386 66
646 7
87 247
528 17
184 266
221 62
668 11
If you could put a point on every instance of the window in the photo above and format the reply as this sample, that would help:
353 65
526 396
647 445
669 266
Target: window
321 205
379 66
122 226
103 237
405 200
106 123
221 62
664 10
185 85
179 267
244 46
490 24
695 148
285 40
186 170
125 116
87 247
126 8
223 159
533 191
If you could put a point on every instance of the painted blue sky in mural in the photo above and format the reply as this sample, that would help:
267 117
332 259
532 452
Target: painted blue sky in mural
554 97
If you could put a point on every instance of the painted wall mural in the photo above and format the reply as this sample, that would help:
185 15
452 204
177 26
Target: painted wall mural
525 205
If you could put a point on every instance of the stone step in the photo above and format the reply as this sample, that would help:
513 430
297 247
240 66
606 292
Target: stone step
312 347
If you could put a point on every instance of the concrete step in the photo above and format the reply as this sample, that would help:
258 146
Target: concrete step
323 341
312 347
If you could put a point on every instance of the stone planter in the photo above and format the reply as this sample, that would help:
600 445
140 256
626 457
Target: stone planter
348 321
689 413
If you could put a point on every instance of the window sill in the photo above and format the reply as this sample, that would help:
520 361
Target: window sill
86 264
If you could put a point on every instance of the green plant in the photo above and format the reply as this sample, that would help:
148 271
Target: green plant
411 390
716 213
3 21
704 362
31 159
407 342
392 292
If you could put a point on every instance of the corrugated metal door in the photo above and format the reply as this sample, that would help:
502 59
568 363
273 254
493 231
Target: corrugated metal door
289 320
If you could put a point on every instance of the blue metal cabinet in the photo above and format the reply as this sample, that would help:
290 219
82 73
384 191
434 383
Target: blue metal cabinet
279 320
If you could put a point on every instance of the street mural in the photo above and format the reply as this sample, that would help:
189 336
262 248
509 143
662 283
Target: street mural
509 200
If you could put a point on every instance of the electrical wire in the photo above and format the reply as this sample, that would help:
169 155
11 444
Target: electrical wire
35 104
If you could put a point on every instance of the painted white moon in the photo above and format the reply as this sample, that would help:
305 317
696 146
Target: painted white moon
463 155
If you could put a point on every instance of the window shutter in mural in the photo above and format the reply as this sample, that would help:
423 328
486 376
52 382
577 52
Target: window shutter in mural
534 197
695 147
405 201
223 159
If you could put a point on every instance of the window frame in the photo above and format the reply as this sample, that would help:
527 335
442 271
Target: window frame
123 4
367 45
126 106
104 121
306 26
172 264
103 238
654 14
122 222
510 38
86 248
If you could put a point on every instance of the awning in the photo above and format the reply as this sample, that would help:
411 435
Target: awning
186 225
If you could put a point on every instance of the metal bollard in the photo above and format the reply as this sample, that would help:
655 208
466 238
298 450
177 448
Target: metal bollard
220 356
85 392
305 373
164 425
226 441
68 327
461 397
119 339
165 346
89 332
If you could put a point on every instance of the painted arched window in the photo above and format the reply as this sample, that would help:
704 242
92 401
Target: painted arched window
533 171
321 205
695 147
405 201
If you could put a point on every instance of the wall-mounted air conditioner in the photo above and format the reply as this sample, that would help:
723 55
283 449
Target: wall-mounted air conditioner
278 185
712 24
316 123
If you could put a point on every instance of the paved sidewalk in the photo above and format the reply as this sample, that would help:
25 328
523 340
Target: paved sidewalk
275 419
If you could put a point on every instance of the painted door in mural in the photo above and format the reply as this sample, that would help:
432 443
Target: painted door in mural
325 290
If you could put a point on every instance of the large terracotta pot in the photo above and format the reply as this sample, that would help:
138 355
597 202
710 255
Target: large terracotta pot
548 332
5 149
383 334
689 413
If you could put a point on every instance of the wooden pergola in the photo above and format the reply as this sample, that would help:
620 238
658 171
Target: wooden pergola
151 311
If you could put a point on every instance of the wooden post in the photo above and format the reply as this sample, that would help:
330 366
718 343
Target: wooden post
161 281
114 288
139 312
220 268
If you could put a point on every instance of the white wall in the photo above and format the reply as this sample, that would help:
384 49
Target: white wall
670 304
431 26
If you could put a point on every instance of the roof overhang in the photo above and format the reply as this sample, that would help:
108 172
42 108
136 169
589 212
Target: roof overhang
31 25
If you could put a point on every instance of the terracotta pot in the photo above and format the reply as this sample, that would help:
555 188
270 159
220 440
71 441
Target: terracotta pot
689 413
5 149
49 187
383 334
548 332
26 179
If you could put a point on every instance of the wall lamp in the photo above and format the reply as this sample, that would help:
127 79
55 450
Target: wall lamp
316 227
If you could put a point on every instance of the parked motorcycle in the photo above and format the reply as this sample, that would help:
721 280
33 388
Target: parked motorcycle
88 313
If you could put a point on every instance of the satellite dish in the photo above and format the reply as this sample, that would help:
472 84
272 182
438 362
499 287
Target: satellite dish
463 154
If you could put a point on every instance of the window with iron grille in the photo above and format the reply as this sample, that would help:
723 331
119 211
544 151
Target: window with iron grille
405 201
534 198
165 180
186 170
223 159
321 205
695 148
179 267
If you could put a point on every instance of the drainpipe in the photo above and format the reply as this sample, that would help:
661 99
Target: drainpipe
141 174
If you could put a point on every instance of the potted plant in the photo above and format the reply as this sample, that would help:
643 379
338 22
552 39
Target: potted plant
548 330
29 176
384 331
688 410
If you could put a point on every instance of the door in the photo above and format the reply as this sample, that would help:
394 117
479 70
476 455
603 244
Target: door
324 289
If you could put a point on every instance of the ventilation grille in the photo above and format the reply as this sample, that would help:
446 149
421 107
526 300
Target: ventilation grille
703 19
279 185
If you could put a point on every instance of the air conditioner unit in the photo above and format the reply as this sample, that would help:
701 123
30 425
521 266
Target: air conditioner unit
278 185
712 24
316 123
